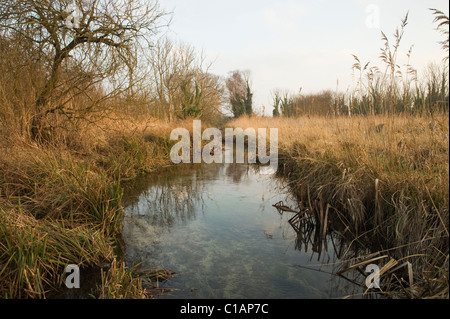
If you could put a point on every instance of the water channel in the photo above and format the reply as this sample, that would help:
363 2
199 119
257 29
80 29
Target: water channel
216 227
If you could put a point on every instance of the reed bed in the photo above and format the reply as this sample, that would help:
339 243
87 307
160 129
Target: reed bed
384 177
61 204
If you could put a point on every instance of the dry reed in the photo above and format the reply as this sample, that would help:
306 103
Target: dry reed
385 177
60 203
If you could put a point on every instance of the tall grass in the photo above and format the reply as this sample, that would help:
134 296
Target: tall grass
61 203
34 253
393 88
384 177
388 86
120 283
382 170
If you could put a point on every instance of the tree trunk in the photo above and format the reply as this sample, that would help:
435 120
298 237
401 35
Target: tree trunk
44 98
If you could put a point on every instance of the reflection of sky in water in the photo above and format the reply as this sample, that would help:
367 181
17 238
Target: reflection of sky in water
217 229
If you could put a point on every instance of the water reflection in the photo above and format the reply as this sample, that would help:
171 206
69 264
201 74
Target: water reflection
172 195
237 172
215 226
344 250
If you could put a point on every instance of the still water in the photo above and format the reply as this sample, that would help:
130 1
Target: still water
215 226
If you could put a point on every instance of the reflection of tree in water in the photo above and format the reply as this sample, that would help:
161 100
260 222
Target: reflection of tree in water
237 172
337 247
172 195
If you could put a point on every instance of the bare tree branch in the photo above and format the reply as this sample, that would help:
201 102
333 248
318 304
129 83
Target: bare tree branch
105 44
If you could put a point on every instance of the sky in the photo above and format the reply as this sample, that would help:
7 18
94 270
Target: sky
308 44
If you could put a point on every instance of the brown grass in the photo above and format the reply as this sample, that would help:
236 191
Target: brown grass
385 177
60 203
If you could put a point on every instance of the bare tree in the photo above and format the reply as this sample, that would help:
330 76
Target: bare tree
83 43
182 84
169 63
240 93
201 95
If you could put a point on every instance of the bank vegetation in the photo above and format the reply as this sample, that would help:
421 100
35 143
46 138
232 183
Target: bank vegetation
88 98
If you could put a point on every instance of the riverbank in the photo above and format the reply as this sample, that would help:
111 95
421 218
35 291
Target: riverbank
386 180
60 204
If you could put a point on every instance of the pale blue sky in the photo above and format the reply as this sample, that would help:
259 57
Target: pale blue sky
290 44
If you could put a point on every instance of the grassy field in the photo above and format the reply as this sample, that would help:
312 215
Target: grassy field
384 177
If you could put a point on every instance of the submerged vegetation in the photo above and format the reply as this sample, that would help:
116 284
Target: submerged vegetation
80 114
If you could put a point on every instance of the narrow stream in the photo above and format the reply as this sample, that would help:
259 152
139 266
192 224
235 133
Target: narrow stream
215 226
